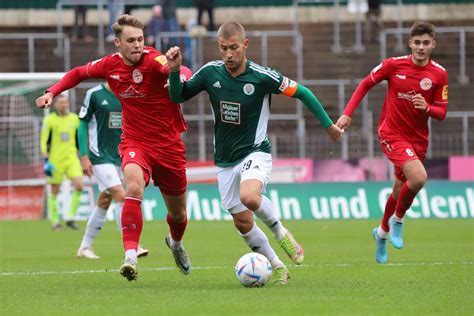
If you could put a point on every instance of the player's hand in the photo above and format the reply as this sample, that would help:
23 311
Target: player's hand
45 100
344 122
419 102
86 165
48 168
174 58
334 132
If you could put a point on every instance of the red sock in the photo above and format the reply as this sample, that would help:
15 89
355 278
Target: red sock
176 229
132 223
405 199
389 210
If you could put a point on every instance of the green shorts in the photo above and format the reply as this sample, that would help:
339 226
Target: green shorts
70 168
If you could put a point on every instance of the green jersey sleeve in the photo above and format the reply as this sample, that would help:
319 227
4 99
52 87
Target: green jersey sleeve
180 92
87 108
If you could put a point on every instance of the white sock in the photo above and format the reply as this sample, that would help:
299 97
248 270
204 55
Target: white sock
132 254
397 219
118 215
175 244
276 263
258 242
382 233
267 214
94 225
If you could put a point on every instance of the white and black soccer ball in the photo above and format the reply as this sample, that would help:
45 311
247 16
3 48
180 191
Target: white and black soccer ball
253 270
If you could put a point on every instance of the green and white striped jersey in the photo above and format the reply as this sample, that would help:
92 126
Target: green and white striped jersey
104 113
240 105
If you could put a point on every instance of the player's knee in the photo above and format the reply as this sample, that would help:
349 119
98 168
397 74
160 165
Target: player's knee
251 201
417 182
134 189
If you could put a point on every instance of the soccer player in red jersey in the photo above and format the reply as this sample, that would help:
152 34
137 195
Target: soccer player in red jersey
151 145
417 90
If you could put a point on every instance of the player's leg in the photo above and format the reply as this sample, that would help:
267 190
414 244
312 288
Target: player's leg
258 242
416 176
132 218
380 233
228 180
94 226
52 204
255 172
169 174
177 221
75 173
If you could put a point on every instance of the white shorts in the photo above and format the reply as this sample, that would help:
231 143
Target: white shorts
257 165
107 175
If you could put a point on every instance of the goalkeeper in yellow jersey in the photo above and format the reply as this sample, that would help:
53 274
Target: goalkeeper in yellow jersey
59 132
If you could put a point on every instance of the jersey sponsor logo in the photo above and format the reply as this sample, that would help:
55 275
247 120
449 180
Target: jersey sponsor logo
115 120
64 137
284 84
377 68
116 77
407 96
249 89
104 102
217 84
161 59
137 76
426 84
444 93
403 77
131 92
230 112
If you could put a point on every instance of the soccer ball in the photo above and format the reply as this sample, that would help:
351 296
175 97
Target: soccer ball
253 270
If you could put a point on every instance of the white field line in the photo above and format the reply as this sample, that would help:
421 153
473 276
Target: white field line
303 266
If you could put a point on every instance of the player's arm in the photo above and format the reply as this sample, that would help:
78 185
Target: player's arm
83 151
45 134
379 73
181 90
72 78
439 108
314 106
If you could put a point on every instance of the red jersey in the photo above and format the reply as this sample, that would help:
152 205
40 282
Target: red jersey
148 115
399 117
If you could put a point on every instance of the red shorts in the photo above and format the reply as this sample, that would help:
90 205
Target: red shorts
165 165
399 152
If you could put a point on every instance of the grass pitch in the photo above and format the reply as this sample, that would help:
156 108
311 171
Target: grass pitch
434 274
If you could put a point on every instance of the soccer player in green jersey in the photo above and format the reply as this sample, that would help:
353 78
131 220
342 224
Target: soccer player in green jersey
59 128
239 91
99 134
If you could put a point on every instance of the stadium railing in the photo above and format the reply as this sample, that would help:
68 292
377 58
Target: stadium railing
32 37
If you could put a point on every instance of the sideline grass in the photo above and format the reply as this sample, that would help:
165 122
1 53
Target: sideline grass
434 274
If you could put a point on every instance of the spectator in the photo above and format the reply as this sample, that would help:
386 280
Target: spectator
205 5
115 10
80 29
156 25
169 15
373 23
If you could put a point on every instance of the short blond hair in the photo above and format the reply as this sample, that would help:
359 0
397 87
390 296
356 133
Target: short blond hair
126 20
230 29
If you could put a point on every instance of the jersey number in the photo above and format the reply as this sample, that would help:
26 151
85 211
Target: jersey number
132 154
247 165
409 152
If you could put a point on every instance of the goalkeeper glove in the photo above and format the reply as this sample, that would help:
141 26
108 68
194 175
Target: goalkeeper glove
48 168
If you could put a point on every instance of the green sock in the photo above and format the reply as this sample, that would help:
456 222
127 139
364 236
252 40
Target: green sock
75 201
53 209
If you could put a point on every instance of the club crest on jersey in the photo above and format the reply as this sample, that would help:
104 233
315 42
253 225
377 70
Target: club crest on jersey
426 84
137 76
249 89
